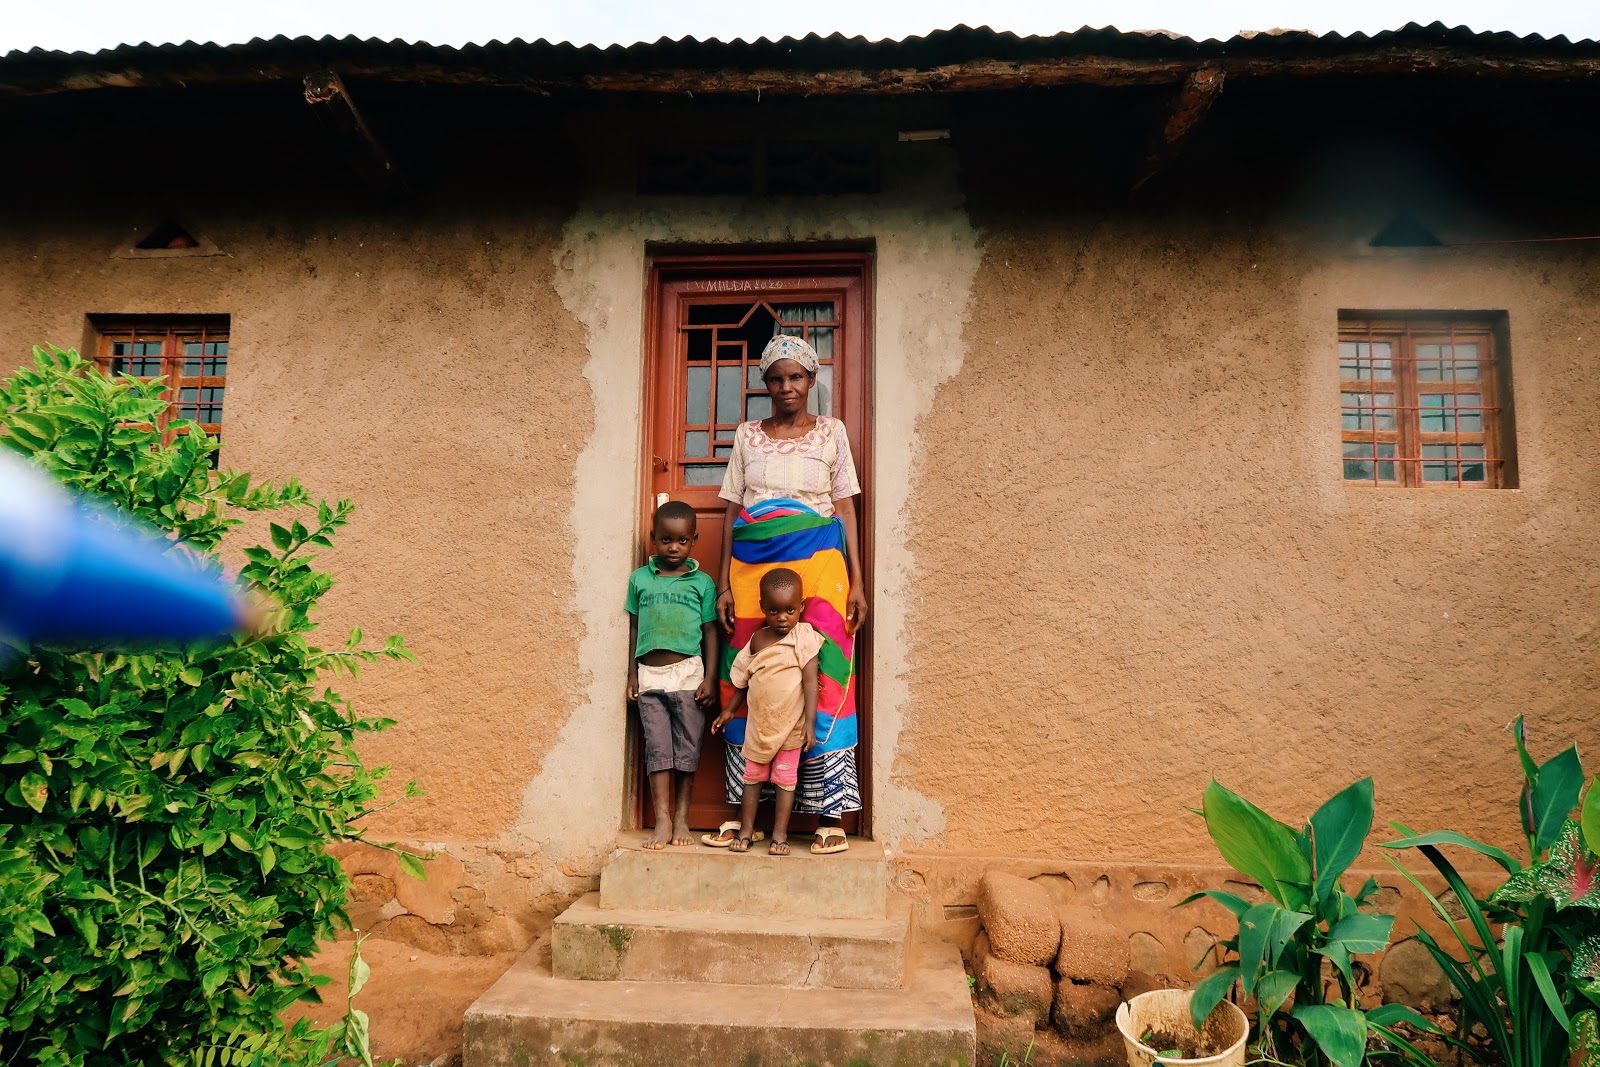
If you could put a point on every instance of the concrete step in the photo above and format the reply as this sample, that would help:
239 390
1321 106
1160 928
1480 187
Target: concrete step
846 885
532 1019
598 944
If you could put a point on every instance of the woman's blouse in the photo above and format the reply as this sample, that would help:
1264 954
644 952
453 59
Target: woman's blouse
816 469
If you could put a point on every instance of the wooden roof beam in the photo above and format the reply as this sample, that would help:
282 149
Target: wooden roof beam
366 155
1163 145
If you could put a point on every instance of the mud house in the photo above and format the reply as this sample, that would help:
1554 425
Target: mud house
1225 409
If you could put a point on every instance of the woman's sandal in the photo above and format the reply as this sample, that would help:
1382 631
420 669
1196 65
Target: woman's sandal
778 848
739 845
825 835
716 840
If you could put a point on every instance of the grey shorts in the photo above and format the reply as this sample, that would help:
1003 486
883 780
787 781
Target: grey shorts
673 726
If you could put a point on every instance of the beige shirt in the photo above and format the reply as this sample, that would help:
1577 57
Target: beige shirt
777 702
815 468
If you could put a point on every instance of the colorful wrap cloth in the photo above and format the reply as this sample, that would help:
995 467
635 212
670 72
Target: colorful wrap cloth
786 533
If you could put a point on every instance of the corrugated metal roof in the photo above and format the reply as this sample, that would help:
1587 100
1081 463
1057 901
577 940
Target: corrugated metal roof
962 44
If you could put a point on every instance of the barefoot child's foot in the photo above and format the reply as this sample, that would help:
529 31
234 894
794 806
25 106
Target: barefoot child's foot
658 838
680 833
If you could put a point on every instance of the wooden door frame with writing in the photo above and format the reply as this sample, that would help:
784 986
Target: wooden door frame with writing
671 276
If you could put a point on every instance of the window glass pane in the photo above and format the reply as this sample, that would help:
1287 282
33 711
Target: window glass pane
730 393
1365 360
188 394
820 402
729 352
697 399
119 348
1358 462
699 345
717 315
147 348
754 381
1359 413
818 311
758 406
695 442
1444 363
1439 412
703 474
1473 472
723 451
822 341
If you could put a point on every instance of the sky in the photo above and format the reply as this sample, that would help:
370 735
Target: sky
87 25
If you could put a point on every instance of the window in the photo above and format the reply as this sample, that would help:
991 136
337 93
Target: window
1425 402
191 354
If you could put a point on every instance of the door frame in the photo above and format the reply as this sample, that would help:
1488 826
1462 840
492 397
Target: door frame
670 265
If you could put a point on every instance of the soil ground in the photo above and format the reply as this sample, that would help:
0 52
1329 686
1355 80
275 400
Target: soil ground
415 999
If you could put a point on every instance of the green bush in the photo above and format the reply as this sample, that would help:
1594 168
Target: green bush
164 876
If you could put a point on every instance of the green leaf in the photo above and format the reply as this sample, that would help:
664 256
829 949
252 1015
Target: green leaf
35 790
1530 770
1257 845
240 842
1450 837
1389 1014
1547 988
1340 1032
1264 930
1584 1043
192 675
1554 795
411 865
1338 830
1362 933
359 972
280 537
1237 905
1209 993
1590 818
1273 988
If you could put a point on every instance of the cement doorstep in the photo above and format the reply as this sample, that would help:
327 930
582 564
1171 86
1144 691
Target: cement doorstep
686 946
846 885
532 1019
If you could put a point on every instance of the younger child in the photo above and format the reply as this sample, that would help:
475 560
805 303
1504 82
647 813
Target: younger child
779 669
673 635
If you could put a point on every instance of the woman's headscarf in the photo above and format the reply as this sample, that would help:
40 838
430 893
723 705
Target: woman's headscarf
783 346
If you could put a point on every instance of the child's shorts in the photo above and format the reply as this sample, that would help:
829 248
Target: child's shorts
673 723
783 771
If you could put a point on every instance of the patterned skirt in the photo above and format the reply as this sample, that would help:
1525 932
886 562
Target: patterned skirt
829 785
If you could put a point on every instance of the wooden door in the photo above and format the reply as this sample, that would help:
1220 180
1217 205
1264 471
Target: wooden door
710 318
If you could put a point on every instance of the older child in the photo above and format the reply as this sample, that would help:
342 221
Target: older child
778 668
673 634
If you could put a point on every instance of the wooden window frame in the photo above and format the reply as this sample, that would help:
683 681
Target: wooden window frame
1406 462
173 331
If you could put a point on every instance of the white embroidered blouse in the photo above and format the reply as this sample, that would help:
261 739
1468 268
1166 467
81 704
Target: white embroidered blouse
816 469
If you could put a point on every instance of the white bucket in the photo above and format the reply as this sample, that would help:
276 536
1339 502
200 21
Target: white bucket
1168 1009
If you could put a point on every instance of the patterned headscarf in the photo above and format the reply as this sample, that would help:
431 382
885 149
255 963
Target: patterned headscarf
782 346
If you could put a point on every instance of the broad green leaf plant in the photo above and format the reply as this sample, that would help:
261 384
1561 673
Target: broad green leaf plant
1310 927
1534 985
164 875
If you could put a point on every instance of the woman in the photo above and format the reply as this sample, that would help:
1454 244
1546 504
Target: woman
791 486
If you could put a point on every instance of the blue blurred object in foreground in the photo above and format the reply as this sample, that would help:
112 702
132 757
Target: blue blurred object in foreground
70 577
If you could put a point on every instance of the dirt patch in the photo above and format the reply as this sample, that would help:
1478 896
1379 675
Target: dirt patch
1181 1044
415 999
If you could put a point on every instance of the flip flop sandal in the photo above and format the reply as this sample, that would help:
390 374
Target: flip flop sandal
824 845
778 848
733 846
712 839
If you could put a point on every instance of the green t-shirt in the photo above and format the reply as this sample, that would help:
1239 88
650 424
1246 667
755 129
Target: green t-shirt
672 608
